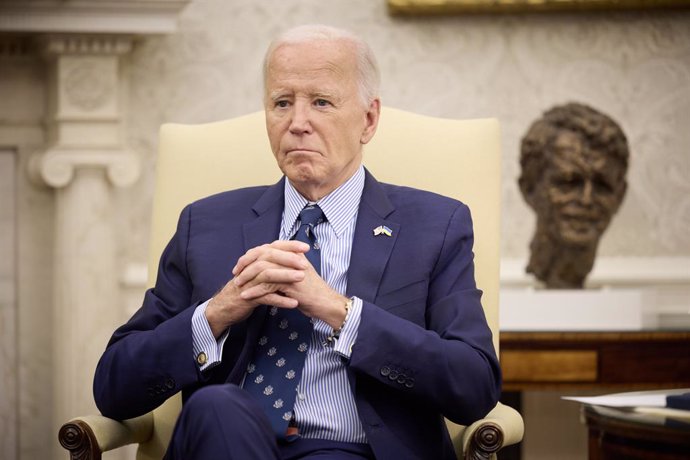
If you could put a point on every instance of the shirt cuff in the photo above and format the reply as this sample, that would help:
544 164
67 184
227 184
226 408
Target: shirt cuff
348 334
208 351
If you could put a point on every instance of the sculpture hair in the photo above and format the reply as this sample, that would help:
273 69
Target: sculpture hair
596 129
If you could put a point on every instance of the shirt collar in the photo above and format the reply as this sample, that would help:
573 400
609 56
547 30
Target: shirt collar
340 206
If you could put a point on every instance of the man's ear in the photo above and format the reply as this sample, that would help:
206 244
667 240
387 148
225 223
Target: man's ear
372 121
527 189
620 194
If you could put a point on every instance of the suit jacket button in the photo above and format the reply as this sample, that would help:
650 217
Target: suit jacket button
402 379
385 370
201 358
170 383
409 383
393 375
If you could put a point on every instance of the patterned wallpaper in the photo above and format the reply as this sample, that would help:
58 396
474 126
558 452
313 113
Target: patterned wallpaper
634 66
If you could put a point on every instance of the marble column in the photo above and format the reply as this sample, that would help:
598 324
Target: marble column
86 159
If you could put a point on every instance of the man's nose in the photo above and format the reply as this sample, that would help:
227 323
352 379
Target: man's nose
300 122
586 197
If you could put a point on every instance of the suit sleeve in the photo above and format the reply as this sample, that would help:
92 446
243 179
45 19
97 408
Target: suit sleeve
150 357
450 362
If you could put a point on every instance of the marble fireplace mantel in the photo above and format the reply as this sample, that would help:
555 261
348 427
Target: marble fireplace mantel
90 16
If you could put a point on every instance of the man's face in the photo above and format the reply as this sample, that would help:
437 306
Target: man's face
316 120
582 190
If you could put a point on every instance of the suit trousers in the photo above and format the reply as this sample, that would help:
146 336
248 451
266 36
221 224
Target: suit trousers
224 422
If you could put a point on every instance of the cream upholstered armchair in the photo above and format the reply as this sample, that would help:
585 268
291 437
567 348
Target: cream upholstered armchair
457 158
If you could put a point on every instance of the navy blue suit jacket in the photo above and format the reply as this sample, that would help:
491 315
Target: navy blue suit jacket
423 351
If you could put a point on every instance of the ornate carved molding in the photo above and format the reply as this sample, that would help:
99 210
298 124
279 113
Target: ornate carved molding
85 44
12 46
97 16
56 167
80 441
89 84
485 442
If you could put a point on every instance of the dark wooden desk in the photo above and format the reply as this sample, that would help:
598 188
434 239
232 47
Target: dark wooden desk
595 360
622 434
606 361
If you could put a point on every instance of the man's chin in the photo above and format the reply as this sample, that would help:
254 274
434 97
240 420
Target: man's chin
300 173
579 237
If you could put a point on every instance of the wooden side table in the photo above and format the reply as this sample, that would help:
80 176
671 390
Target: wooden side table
599 361
616 434
595 360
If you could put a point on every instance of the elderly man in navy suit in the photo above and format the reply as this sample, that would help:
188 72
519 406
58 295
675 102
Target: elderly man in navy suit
325 316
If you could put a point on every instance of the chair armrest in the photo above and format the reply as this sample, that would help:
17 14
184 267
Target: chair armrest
89 436
501 427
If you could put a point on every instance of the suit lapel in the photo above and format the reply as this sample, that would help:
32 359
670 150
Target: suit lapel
269 211
370 253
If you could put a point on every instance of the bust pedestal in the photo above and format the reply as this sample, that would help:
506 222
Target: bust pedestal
602 309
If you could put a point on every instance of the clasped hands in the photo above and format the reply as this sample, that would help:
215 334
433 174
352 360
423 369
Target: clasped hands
277 274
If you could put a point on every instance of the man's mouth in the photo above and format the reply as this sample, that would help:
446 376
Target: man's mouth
300 151
578 213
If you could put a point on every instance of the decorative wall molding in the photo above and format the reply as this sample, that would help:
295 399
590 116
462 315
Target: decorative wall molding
52 44
98 16
12 46
449 7
90 84
56 167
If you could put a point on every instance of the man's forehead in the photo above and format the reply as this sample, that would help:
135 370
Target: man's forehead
309 67
587 160
336 52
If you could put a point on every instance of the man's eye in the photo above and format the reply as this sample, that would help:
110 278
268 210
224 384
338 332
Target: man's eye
569 182
322 103
282 104
602 185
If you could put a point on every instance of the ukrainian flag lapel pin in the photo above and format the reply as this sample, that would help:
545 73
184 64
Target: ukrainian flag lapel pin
383 230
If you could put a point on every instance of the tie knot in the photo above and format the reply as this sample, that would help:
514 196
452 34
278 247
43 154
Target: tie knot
311 215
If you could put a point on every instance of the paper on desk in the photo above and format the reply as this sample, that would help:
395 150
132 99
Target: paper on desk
649 400
677 414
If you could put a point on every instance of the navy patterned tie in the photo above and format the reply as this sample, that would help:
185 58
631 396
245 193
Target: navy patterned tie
279 356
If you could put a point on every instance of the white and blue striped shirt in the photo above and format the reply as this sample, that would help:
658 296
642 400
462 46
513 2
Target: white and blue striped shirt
325 405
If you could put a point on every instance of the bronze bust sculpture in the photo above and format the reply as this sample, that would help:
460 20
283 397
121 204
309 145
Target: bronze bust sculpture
573 161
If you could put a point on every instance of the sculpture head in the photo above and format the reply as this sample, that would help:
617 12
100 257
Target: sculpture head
574 161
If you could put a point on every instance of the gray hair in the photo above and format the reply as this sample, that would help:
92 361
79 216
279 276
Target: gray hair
367 68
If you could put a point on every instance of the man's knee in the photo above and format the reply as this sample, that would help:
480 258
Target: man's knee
217 397
218 417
